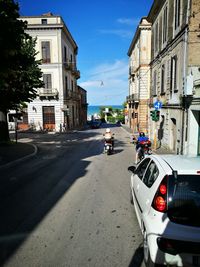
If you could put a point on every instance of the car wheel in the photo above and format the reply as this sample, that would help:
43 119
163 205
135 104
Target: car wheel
131 196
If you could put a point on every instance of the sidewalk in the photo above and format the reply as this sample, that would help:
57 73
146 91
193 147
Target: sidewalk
159 151
11 153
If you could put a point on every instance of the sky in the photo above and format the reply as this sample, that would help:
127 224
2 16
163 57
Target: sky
103 31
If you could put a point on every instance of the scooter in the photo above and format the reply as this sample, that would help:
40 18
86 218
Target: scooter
108 146
145 149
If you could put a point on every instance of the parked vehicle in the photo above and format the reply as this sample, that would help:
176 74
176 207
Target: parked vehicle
95 124
165 191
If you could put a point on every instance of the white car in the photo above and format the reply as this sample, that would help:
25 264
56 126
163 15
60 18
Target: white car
165 191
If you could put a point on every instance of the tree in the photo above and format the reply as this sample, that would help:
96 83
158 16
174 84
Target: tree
20 75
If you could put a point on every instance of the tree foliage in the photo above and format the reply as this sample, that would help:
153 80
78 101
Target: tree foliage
19 72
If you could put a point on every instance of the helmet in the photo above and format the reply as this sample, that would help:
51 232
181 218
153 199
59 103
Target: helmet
142 134
107 130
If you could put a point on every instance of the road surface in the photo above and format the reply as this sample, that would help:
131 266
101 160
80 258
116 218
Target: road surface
69 205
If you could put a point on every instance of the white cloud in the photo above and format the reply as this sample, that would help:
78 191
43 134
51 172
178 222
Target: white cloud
128 21
107 83
120 33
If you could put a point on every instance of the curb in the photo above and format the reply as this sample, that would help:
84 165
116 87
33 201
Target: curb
14 162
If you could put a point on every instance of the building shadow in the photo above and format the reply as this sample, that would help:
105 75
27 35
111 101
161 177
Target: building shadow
30 190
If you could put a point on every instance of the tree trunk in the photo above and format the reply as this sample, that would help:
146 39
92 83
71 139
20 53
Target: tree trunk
4 133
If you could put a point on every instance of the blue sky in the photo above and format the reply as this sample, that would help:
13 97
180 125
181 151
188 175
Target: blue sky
103 31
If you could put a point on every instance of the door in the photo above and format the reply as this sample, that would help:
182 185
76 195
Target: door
173 135
136 183
48 117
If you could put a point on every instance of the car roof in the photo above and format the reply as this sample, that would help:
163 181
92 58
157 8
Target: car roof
181 163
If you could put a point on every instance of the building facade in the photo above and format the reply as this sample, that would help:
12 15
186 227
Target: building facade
57 106
139 78
175 74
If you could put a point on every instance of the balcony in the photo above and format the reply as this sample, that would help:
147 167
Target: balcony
72 66
71 95
132 70
48 92
132 98
68 65
76 74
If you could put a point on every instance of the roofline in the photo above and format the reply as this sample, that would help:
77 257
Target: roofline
137 33
63 23
155 8
82 88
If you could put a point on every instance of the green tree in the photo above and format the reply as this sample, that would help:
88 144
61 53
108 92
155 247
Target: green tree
20 75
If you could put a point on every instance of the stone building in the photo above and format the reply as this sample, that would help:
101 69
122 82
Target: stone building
57 106
139 78
175 74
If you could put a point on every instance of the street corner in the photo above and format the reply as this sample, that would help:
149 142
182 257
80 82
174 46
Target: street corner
12 153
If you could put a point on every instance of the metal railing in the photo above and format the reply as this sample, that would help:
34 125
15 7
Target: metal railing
48 92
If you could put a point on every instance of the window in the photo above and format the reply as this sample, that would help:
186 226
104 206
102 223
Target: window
47 81
173 77
65 54
72 85
151 174
142 167
44 21
177 14
165 24
184 207
66 83
156 40
162 79
46 52
155 83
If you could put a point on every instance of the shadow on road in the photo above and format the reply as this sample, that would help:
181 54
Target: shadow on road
138 257
30 191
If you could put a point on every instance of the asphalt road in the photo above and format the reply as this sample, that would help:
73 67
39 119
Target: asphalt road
69 205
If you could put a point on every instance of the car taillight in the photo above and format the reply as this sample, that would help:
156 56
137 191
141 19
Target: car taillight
160 199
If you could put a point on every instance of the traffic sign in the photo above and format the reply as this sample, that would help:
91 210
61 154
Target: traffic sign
158 105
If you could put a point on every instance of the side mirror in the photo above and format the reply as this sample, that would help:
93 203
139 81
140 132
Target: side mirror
131 168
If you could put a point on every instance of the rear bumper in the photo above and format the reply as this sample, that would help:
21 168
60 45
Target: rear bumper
170 243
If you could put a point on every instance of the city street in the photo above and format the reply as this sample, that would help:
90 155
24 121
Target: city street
69 204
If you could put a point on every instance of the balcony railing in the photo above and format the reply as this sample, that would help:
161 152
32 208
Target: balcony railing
132 70
76 73
72 95
48 92
72 66
67 65
132 98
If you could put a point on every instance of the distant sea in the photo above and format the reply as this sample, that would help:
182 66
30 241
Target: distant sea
92 110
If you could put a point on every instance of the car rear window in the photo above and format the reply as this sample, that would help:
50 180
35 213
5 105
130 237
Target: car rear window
184 200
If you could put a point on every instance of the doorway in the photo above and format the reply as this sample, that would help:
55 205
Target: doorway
173 134
48 117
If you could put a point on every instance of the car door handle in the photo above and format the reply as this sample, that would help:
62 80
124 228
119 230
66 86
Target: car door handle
147 202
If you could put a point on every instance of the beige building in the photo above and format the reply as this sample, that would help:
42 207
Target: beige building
175 74
139 78
58 105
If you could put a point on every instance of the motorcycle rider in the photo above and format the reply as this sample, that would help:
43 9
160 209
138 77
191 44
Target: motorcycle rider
108 136
141 138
